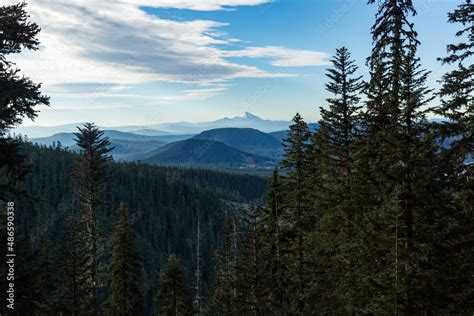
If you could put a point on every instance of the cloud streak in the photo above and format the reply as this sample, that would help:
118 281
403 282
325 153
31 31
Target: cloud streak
117 43
283 57
199 5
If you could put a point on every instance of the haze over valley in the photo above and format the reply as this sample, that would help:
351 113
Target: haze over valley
242 142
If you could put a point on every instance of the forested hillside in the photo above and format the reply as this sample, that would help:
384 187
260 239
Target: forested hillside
163 203
245 139
206 153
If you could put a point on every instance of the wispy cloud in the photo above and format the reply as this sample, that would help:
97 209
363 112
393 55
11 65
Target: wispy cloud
283 57
201 5
93 93
195 94
86 89
116 43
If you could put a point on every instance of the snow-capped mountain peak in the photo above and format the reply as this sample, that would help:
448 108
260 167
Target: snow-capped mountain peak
248 116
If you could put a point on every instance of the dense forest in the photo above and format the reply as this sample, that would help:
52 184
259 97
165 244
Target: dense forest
164 207
370 214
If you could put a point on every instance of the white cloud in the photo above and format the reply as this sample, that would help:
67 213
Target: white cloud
201 5
195 94
117 43
101 42
283 57
82 106
186 95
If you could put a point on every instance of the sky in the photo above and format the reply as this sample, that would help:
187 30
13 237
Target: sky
143 62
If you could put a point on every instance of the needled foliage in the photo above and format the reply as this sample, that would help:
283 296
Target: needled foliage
18 94
125 270
90 177
173 298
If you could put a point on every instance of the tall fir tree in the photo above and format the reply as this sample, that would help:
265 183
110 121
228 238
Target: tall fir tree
339 123
251 284
390 34
224 292
173 297
275 272
18 94
400 190
457 104
379 159
74 297
297 219
455 237
47 278
417 195
334 144
18 98
198 297
125 270
90 180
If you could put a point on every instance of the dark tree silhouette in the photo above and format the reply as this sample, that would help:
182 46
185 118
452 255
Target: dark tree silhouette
18 94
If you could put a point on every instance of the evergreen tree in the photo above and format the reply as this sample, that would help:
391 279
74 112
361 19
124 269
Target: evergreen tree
173 298
18 94
399 188
198 299
297 220
335 140
275 271
380 153
47 278
417 194
251 274
224 293
90 185
334 146
74 298
125 297
391 33
455 238
457 104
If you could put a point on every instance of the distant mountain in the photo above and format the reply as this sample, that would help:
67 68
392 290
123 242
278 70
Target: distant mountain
206 153
128 149
246 120
244 117
172 138
67 139
126 145
279 135
44 131
114 134
150 132
245 139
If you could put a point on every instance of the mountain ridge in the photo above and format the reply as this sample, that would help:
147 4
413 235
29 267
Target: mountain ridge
206 153
247 140
245 120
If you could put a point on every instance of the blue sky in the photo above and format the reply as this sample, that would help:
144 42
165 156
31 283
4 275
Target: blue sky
152 61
